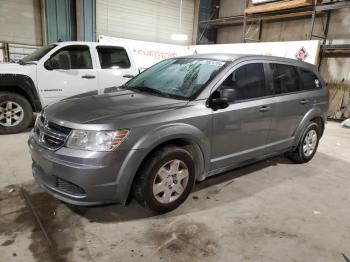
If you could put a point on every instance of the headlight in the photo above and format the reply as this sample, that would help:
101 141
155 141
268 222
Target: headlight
96 140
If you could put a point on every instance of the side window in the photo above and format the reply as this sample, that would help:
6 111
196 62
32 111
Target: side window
73 57
285 78
309 80
248 81
113 57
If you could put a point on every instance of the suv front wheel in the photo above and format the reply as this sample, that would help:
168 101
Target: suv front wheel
15 113
165 179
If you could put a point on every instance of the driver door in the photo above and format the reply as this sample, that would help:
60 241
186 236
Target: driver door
240 131
68 72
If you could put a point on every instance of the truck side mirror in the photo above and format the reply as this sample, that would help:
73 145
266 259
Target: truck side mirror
51 65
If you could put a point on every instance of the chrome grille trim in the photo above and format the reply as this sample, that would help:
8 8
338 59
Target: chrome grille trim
48 131
48 137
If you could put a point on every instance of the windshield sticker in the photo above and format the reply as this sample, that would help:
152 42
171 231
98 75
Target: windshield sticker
211 62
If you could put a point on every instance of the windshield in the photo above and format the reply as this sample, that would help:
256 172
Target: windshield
38 54
180 78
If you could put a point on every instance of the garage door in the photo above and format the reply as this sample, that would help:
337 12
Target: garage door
148 20
20 21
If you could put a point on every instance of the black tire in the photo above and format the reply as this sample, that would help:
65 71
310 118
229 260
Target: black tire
27 113
298 154
143 184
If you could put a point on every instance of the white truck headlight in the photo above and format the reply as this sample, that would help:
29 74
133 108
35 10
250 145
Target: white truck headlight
96 140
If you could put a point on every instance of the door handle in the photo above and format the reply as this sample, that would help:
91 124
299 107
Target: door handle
304 101
128 76
264 108
88 77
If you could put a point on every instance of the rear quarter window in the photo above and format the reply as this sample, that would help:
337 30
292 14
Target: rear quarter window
113 57
309 80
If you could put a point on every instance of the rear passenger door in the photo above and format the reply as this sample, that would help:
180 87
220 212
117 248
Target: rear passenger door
116 67
240 131
292 101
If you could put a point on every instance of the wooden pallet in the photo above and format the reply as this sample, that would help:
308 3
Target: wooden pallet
277 6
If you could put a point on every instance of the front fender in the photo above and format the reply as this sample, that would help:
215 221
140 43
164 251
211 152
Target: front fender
26 86
311 114
153 139
173 131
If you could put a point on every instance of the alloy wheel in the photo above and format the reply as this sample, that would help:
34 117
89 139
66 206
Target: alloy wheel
11 113
170 181
310 142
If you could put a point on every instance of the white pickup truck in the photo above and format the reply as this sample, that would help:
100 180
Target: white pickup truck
55 72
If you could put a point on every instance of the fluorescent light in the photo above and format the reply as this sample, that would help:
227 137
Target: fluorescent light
179 37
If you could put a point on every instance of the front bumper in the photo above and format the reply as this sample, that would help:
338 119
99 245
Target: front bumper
80 177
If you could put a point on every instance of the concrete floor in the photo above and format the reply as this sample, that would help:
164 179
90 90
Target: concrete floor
270 211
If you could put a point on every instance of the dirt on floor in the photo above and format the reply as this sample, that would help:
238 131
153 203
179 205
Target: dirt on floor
273 210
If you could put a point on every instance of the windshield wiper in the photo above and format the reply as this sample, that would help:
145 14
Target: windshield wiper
123 87
147 89
154 91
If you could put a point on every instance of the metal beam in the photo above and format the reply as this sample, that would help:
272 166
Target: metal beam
333 6
341 50
336 47
6 52
278 15
238 20
325 32
244 22
313 17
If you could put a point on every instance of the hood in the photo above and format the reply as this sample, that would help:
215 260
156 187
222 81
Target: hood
13 68
108 109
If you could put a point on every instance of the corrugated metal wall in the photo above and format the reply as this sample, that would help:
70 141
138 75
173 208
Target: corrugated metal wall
148 20
20 21
87 20
60 20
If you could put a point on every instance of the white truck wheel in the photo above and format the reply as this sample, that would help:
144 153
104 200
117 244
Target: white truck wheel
16 113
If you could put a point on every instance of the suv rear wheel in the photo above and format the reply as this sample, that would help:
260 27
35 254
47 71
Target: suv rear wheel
307 145
16 113
165 179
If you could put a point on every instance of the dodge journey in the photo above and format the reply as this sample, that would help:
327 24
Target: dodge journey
180 121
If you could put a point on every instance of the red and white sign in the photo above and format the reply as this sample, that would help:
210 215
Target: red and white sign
146 54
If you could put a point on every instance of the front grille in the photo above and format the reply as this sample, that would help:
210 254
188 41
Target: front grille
50 135
69 187
53 142
62 129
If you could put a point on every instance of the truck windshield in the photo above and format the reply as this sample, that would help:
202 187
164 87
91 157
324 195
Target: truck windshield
38 54
181 78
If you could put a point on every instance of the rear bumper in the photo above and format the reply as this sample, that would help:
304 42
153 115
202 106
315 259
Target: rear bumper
81 177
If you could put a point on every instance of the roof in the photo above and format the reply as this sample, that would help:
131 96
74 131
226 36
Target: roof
64 43
234 57
217 56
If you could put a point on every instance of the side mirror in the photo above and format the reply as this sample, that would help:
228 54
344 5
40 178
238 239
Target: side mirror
228 95
51 65
223 98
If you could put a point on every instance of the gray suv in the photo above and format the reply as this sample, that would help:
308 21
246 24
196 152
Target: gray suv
180 121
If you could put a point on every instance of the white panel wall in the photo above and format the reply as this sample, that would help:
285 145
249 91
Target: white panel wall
20 21
148 20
